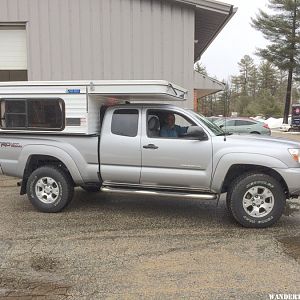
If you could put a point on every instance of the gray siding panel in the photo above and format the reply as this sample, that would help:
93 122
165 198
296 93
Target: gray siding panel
101 39
34 44
44 37
115 40
136 39
157 39
106 25
65 37
12 6
86 39
147 39
55 46
96 43
22 10
125 50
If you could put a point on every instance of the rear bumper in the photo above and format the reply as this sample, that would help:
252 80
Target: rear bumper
292 179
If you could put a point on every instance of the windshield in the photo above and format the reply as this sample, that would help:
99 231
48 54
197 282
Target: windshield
212 126
220 122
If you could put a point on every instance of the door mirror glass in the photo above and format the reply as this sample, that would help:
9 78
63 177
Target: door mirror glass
196 132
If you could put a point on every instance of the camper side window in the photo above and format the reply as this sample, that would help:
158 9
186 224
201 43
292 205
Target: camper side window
32 114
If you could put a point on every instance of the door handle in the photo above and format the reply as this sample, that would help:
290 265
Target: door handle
150 146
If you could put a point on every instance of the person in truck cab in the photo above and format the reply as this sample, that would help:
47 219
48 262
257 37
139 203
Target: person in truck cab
170 129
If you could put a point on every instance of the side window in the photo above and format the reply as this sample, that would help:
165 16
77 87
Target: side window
14 114
45 114
167 124
125 122
33 114
244 123
230 123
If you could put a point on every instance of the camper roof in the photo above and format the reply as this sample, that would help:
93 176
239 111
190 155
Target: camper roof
132 90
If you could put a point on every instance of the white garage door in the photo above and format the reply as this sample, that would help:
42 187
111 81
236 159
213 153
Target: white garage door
13 50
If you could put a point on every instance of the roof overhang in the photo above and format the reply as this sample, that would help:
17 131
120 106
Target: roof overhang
204 85
210 18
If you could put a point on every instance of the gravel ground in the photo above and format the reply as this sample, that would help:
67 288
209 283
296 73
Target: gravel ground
115 246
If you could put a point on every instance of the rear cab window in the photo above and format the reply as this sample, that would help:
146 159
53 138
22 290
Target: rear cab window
125 122
32 114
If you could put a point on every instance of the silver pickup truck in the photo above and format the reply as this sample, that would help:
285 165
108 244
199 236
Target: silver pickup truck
136 151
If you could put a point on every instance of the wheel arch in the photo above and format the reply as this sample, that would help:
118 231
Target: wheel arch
238 169
36 161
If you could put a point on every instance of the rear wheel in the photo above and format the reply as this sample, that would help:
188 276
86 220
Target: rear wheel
49 189
256 200
254 132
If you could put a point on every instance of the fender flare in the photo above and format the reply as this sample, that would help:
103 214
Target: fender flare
53 151
231 159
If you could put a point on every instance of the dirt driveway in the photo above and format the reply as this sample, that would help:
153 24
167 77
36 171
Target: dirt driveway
105 246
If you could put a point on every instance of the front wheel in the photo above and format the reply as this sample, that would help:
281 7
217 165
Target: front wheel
256 200
49 189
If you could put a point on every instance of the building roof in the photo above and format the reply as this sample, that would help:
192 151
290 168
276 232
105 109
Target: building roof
205 85
207 3
210 18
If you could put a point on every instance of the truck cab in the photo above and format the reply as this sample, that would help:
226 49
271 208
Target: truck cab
133 150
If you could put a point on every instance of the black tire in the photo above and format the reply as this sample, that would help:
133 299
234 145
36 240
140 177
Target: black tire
60 183
245 190
91 188
254 132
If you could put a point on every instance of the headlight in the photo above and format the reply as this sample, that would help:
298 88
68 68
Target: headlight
295 154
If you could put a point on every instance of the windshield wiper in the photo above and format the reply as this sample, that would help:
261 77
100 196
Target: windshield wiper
224 133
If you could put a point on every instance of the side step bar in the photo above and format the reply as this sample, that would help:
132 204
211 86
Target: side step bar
160 193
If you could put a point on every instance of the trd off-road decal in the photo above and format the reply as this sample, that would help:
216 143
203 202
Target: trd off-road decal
10 145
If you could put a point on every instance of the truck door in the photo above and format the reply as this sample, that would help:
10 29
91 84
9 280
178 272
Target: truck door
173 161
120 146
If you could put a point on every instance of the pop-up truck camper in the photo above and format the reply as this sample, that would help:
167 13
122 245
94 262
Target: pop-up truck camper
118 137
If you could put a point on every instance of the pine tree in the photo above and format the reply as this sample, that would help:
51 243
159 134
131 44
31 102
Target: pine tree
268 78
246 81
282 29
200 68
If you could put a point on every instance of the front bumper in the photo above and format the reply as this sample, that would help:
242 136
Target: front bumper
292 178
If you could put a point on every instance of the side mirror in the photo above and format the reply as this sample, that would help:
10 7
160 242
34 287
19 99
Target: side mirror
221 126
197 132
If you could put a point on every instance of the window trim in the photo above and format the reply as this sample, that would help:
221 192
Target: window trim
27 100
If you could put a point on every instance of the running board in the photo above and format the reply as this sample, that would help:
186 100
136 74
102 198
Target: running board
160 193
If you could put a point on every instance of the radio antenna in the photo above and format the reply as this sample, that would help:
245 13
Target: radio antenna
225 114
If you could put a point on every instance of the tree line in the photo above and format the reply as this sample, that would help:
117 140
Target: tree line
270 87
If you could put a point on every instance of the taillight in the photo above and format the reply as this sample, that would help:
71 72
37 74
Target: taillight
266 126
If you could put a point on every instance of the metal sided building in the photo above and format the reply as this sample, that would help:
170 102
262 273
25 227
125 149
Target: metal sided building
110 39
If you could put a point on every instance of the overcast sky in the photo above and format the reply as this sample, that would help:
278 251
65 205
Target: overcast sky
236 39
